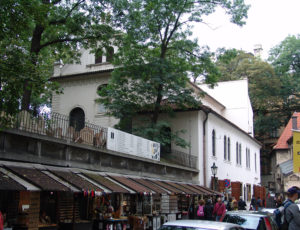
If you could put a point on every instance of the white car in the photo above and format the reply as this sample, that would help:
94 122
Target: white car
199 225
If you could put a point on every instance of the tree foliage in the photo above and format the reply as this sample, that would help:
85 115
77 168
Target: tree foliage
156 57
34 34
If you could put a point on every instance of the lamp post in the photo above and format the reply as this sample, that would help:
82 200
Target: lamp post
214 170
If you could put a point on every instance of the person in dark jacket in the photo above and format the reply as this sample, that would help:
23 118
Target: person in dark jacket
229 204
208 210
253 203
242 204
292 213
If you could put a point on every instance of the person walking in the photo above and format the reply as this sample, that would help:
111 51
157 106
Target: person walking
208 210
253 203
241 204
200 210
291 210
259 204
219 209
229 204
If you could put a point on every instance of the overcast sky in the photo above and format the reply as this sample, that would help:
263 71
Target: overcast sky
269 22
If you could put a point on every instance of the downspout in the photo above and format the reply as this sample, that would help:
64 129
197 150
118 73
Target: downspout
206 111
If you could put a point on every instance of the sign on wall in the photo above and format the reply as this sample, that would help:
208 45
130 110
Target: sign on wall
120 141
296 151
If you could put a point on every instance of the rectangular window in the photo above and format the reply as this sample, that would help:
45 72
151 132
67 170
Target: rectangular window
228 149
225 147
240 154
255 163
237 153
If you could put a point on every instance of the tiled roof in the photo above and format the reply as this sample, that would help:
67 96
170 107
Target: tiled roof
106 183
287 167
287 133
76 180
183 189
6 183
38 178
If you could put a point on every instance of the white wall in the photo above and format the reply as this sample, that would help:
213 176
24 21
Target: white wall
82 93
230 169
234 96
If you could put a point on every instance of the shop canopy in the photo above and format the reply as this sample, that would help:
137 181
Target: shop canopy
6 183
150 185
131 184
76 180
101 180
25 176
38 178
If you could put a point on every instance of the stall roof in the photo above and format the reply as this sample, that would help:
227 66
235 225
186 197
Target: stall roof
201 189
150 185
106 183
7 183
195 190
210 190
38 178
164 185
182 188
131 184
76 180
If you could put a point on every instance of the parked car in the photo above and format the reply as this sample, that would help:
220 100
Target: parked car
269 210
251 220
199 225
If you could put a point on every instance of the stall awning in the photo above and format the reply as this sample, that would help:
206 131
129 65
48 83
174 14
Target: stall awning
6 183
182 188
38 178
200 188
131 184
101 180
76 180
196 191
166 186
150 185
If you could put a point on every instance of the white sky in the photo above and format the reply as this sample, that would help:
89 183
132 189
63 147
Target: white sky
269 22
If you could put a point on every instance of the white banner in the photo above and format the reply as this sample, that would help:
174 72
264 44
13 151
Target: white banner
120 141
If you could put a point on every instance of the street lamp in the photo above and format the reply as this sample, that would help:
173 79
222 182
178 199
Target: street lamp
214 170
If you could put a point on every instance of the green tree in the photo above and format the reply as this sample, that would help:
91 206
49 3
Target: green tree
264 86
33 34
156 58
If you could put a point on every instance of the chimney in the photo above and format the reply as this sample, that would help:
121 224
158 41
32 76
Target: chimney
294 122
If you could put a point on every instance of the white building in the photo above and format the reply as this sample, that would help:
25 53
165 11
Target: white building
220 131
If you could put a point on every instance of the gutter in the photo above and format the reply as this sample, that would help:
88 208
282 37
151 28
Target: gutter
206 111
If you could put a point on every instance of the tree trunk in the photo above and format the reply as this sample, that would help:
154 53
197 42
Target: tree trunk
34 51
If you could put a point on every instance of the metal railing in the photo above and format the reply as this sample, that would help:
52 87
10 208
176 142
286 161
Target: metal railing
59 126
62 127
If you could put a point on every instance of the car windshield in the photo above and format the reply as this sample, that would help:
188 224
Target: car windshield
248 222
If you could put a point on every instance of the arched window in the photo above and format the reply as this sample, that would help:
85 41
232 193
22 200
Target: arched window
109 54
77 118
225 148
213 142
98 56
100 107
228 149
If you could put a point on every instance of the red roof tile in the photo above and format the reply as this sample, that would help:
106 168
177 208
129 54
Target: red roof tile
150 185
287 134
166 186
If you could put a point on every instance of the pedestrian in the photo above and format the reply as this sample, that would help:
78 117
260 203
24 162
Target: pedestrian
253 203
259 204
278 201
208 210
241 204
1 220
234 204
200 210
292 213
219 209
229 204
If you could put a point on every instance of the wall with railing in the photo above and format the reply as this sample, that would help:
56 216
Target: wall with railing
60 126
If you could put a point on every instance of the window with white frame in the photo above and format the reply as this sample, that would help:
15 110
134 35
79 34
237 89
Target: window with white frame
100 108
248 158
237 153
240 154
225 148
228 149
255 163
213 136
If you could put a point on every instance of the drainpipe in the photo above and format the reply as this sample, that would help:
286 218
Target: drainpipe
206 111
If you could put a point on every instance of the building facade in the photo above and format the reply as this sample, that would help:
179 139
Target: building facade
220 131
